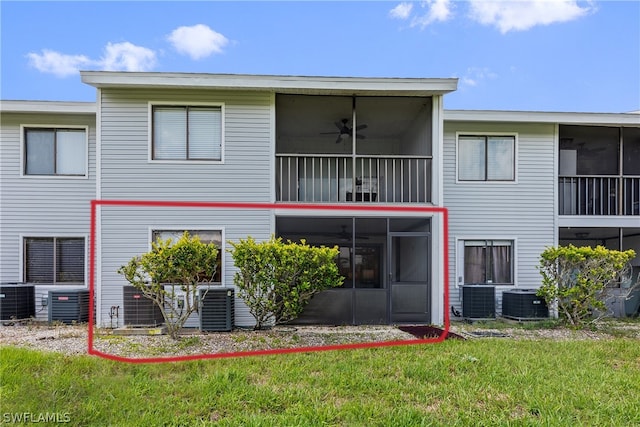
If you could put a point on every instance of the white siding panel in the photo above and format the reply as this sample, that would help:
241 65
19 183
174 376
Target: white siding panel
522 210
40 206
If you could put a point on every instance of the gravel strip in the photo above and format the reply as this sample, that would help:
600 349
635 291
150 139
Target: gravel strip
72 339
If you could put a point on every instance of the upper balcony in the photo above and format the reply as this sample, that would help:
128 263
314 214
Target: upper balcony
354 149
374 179
599 171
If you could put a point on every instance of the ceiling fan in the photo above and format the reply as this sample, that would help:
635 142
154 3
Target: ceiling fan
342 235
346 235
345 131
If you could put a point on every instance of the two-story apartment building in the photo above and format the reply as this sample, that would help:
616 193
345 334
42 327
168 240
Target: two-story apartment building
383 150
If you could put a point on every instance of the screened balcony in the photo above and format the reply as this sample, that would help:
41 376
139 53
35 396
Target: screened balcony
353 149
599 171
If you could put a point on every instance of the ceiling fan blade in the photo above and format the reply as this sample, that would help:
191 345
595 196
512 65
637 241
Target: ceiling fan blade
360 127
360 136
339 139
339 125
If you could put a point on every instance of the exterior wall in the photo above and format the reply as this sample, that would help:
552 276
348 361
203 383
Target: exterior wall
523 211
244 175
40 206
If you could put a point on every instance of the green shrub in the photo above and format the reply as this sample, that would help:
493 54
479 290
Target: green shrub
184 265
277 279
576 279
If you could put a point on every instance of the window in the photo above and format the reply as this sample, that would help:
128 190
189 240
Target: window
187 133
488 262
206 236
486 158
55 152
54 260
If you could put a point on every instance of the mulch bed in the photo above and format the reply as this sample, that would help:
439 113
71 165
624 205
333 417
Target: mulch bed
428 331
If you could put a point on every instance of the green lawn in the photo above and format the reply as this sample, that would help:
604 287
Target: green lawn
477 382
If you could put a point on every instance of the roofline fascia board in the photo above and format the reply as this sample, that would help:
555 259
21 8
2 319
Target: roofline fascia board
279 84
53 107
619 119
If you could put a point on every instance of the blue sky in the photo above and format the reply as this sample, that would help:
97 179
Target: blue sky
542 55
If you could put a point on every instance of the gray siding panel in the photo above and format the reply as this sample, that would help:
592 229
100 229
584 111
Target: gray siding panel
523 211
127 174
122 240
40 206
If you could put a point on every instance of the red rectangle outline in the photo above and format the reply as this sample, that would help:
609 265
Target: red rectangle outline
264 206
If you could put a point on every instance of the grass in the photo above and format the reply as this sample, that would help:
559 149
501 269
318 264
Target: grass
456 383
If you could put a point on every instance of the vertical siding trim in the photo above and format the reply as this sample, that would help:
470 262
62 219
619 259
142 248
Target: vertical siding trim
556 190
97 288
437 198
272 153
272 160
437 150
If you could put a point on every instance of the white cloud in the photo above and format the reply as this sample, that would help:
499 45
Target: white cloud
437 11
401 11
432 11
476 75
522 15
57 63
123 56
126 56
198 41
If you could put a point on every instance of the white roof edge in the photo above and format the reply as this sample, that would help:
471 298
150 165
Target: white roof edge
60 107
275 83
542 117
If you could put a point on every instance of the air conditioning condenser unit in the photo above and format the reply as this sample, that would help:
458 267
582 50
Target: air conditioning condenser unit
217 309
523 304
69 306
140 311
478 302
17 301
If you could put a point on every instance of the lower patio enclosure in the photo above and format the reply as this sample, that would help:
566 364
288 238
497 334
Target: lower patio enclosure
386 263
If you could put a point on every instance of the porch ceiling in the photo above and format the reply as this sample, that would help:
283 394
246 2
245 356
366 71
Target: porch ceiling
310 116
595 233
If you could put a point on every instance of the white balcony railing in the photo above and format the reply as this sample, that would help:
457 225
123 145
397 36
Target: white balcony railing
346 178
599 195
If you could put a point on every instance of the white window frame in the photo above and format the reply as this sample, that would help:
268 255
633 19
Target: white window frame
23 151
222 249
152 104
515 136
459 257
61 285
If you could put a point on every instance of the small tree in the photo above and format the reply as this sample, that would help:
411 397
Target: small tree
184 265
576 279
276 279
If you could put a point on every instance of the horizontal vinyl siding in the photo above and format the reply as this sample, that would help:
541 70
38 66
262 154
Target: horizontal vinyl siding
521 210
40 206
125 234
127 174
